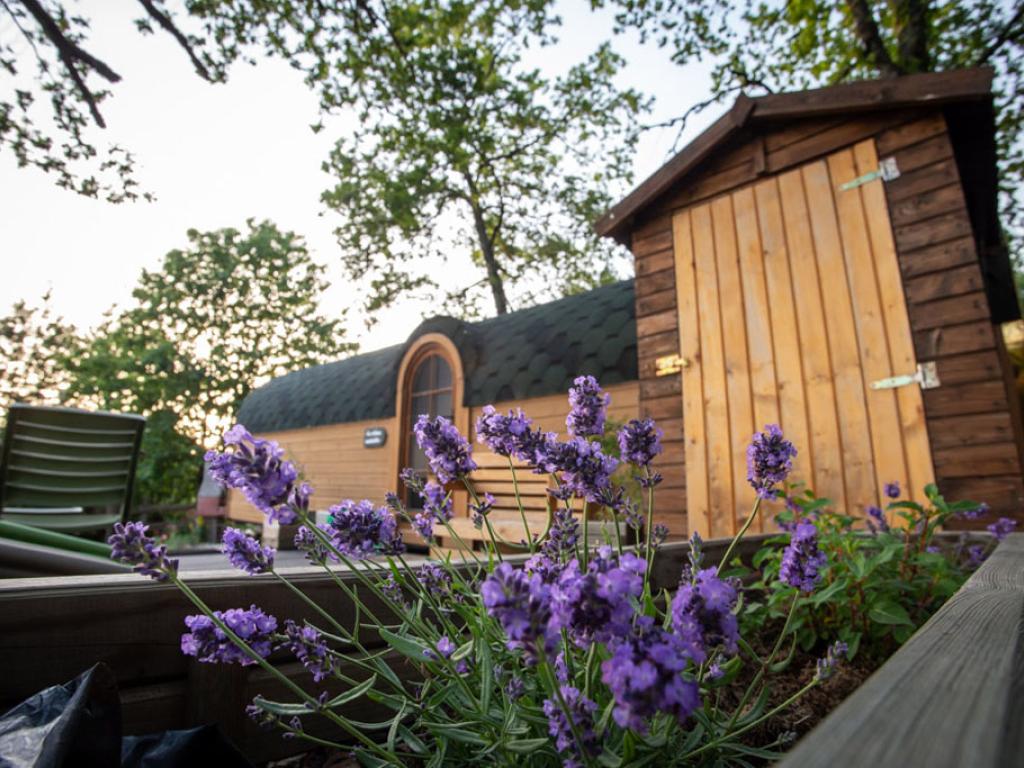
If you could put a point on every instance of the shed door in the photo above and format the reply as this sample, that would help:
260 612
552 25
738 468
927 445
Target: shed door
790 305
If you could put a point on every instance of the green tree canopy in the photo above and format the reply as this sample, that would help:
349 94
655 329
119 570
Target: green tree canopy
33 343
774 45
218 318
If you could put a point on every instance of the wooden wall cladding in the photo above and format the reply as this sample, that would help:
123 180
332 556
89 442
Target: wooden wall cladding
941 277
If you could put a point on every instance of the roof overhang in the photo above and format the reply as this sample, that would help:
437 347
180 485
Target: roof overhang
932 89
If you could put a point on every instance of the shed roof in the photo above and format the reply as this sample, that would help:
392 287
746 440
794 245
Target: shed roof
965 97
748 113
525 354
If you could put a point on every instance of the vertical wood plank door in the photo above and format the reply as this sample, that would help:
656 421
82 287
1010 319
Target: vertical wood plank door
790 305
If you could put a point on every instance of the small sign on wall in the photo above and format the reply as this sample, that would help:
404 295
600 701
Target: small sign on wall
374 437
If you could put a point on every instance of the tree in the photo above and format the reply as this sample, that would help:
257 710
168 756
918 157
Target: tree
775 45
218 318
463 149
33 342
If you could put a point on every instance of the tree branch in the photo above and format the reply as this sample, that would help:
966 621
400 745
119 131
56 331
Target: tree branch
912 38
1004 36
866 28
169 26
70 54
68 49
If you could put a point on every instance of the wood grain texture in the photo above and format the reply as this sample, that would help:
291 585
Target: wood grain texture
953 695
698 509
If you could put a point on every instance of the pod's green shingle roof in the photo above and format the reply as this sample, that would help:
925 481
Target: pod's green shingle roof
525 354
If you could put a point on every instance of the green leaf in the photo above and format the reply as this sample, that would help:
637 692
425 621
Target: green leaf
463 651
353 693
890 612
829 592
412 648
456 733
281 708
525 746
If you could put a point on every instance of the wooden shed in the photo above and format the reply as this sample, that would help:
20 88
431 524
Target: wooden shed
830 260
348 424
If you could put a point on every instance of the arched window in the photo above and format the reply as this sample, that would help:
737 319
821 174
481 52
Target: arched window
429 390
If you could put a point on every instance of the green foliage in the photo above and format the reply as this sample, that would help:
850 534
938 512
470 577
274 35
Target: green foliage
462 148
771 46
878 587
32 342
218 318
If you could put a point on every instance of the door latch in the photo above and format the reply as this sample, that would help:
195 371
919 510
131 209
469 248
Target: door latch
666 366
927 376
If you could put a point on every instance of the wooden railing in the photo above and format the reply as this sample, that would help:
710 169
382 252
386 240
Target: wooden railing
953 695
53 629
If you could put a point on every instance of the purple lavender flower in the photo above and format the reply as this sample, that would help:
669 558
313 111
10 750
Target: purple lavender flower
640 442
595 605
585 470
541 564
521 603
975 556
977 512
393 590
826 666
444 646
581 710
802 561
131 544
208 643
423 524
769 460
892 490
877 519
658 535
480 509
644 675
702 614
316 551
505 435
588 405
360 530
515 688
256 467
447 451
435 580
246 554
563 535
310 648
632 514
1002 528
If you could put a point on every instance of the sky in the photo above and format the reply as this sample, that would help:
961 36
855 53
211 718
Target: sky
217 155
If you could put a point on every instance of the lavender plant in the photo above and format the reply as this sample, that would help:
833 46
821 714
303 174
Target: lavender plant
564 655
868 588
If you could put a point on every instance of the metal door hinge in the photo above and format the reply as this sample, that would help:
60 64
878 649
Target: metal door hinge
927 376
887 171
666 366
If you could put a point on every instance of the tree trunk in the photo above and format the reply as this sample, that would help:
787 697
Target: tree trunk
866 29
487 249
912 35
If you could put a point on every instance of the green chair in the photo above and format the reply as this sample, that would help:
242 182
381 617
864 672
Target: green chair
65 469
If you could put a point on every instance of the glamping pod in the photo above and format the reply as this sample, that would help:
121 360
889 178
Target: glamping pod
348 424
832 261
828 260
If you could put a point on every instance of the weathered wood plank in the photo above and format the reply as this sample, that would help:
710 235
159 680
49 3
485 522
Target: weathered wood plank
734 342
785 331
853 448
823 427
889 460
953 695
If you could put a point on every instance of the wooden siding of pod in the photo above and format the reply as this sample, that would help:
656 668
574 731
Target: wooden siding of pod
333 460
970 420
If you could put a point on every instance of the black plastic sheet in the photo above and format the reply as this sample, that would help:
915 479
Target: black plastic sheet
79 724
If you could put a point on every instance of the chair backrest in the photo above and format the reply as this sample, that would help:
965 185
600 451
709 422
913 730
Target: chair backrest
61 461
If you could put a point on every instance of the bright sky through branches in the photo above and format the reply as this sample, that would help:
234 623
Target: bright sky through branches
216 155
